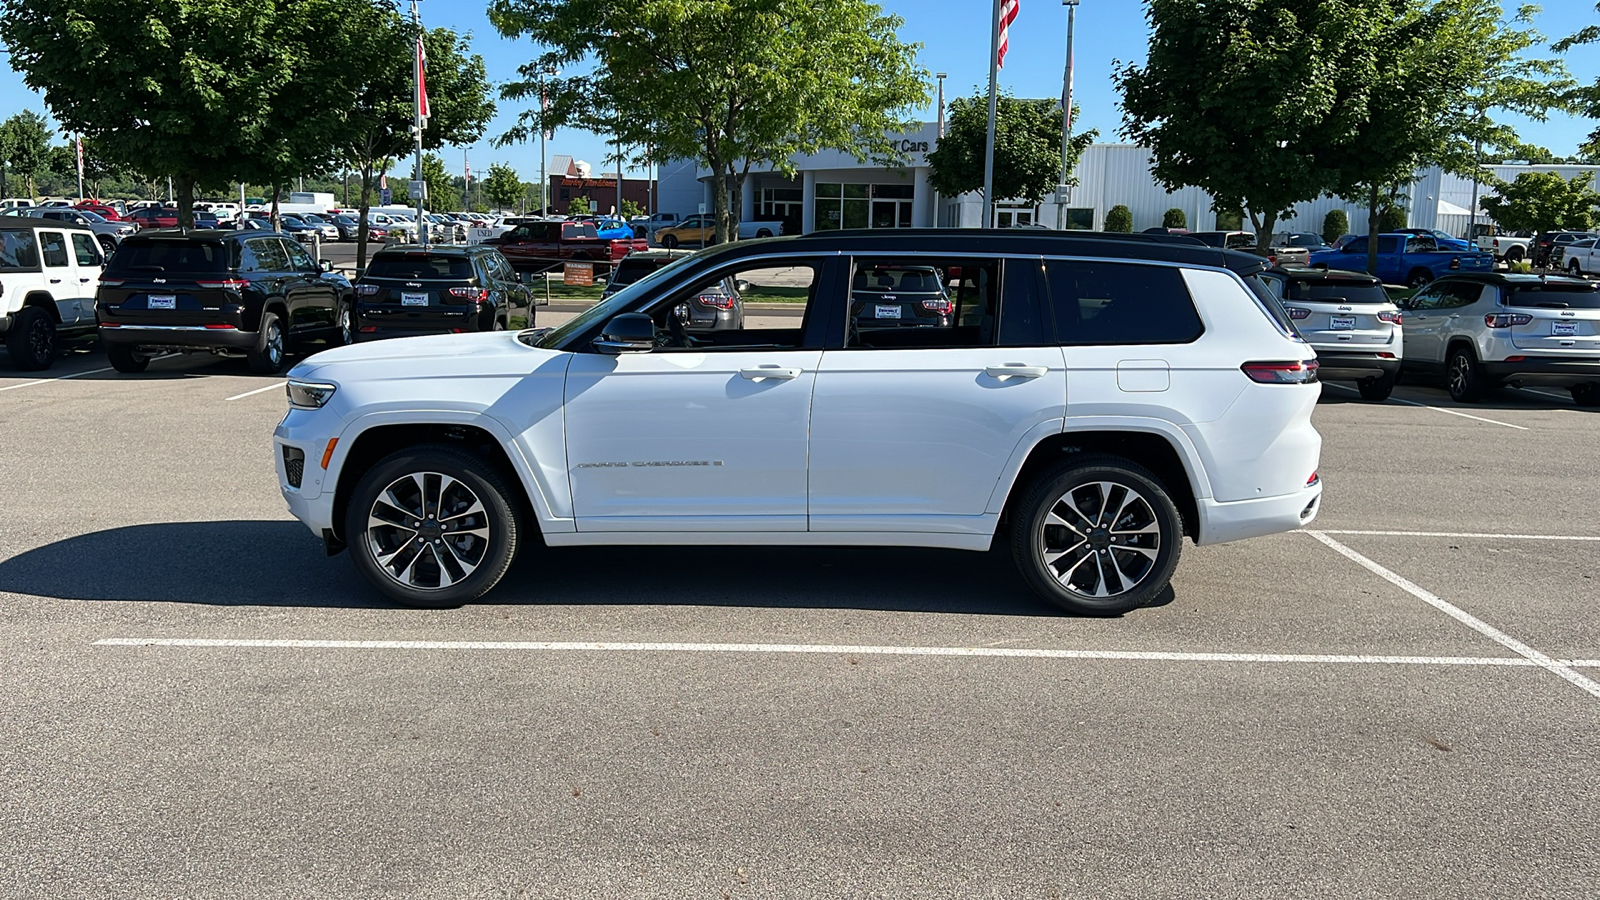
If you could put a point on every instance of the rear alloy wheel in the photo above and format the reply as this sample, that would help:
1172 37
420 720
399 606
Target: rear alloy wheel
1466 381
267 357
1097 536
1378 389
127 359
32 339
1586 395
1418 278
432 526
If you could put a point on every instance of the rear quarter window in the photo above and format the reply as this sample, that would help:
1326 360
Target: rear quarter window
19 251
1120 303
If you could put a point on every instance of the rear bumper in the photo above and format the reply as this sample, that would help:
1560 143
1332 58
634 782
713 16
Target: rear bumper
180 336
1349 364
1546 371
1241 519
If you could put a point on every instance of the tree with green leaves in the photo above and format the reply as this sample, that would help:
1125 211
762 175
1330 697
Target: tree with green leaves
1335 225
729 83
24 147
1175 218
441 186
1027 148
630 209
502 186
1544 201
578 206
1119 219
1239 98
1585 99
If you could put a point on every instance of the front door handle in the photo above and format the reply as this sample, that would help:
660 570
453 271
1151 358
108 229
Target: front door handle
776 373
55 281
83 281
1014 370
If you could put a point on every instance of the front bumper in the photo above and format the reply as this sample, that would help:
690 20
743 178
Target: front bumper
183 337
309 432
1549 371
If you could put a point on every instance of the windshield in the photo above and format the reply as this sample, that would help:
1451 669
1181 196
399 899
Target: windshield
1335 292
310 219
419 265
608 307
94 217
1306 240
1552 295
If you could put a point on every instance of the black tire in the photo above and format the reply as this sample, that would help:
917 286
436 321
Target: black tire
1515 254
763 233
268 356
490 557
1418 278
127 359
108 245
1378 389
1586 395
1464 378
32 339
670 242
345 317
1030 540
1575 270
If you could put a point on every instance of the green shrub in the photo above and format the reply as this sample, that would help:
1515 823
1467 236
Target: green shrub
578 207
1119 218
1230 220
1174 218
1335 225
1391 219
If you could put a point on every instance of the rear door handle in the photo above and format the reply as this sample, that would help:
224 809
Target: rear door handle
777 373
1014 370
83 280
55 281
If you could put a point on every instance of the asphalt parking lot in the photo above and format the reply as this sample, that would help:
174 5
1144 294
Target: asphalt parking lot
198 703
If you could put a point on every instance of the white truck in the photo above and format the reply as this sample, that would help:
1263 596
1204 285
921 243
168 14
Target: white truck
49 272
1509 247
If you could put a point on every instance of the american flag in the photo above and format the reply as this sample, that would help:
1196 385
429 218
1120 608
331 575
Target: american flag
422 81
1008 14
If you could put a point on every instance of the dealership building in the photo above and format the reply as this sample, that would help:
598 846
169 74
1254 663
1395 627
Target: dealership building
831 190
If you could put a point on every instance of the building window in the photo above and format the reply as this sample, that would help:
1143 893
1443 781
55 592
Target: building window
864 206
1080 219
1009 215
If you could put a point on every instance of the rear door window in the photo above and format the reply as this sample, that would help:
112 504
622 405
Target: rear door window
54 245
1115 303
84 249
270 255
931 302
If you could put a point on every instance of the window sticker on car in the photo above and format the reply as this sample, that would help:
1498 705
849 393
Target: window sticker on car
1564 329
161 301
1344 323
410 299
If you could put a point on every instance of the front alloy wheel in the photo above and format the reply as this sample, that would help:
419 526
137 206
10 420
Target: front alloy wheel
432 526
1098 536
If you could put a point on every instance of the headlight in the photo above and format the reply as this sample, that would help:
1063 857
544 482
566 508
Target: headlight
309 394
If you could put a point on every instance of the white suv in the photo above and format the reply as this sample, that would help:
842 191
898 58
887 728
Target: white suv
1093 398
48 275
1485 330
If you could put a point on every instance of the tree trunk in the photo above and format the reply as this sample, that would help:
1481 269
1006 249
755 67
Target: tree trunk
735 204
361 217
719 200
1263 231
1372 229
277 223
184 185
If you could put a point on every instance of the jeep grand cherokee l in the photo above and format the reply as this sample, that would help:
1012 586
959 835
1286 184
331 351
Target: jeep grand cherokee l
1103 396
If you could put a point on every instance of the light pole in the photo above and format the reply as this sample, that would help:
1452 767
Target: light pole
936 202
419 100
1066 120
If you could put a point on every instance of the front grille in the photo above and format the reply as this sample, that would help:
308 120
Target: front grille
294 465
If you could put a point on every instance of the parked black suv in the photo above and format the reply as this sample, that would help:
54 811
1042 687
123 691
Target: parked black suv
408 289
232 293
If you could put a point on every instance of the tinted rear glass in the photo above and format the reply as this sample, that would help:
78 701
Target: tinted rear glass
629 271
419 265
1556 296
1120 303
1330 292
170 256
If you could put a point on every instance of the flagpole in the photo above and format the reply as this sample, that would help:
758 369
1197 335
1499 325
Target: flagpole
1066 120
988 144
416 76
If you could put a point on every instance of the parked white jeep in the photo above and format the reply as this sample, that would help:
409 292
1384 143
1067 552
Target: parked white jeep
48 275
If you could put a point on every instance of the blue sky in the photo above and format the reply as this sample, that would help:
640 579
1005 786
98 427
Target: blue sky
954 35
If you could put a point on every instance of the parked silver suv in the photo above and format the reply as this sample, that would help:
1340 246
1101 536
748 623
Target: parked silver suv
1350 320
1484 330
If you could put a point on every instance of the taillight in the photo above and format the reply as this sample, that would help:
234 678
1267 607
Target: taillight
1310 482
1393 318
366 290
1297 313
718 301
1295 372
1506 320
232 284
939 305
470 293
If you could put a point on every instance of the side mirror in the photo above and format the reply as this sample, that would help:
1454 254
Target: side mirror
741 285
521 279
627 333
326 264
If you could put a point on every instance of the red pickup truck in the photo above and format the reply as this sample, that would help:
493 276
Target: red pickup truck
539 246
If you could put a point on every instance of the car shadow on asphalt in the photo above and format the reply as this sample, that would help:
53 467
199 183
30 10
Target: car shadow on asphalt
1427 393
280 564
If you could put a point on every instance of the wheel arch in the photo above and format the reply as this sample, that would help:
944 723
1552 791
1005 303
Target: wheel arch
43 301
273 304
1165 451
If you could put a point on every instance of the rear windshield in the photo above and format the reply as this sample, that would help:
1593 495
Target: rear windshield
170 256
1556 296
896 278
419 265
628 271
1334 292
18 251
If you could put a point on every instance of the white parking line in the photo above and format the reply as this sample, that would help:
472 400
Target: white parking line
1450 412
834 649
1554 666
256 391
12 387
1470 535
1546 393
